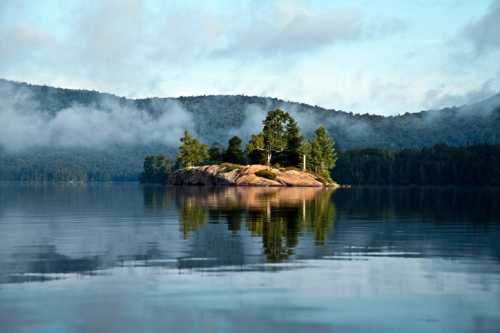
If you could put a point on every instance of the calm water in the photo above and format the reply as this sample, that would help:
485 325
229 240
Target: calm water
126 258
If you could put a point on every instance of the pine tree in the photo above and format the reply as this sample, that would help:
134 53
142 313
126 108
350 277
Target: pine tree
322 155
234 153
294 141
215 153
191 151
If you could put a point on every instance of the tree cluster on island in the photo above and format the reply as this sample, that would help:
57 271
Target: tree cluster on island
280 143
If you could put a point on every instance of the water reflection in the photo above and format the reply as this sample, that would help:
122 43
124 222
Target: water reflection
118 257
277 215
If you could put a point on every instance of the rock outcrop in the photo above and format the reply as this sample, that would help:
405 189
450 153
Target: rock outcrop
248 175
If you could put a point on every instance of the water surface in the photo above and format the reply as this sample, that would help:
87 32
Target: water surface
126 258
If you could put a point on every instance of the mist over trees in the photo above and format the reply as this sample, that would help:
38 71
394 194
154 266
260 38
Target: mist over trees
218 118
210 118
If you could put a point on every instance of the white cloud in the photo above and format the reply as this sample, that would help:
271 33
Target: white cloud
484 34
338 55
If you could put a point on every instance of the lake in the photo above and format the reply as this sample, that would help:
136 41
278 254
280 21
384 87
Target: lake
131 258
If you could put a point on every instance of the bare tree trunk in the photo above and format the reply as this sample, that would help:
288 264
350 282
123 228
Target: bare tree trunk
269 159
304 162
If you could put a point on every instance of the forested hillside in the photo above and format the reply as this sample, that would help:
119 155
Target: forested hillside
41 135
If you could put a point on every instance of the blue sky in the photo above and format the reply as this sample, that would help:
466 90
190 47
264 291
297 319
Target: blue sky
385 57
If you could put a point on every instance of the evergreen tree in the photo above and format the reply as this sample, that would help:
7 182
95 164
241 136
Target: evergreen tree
293 152
323 155
216 153
191 151
234 153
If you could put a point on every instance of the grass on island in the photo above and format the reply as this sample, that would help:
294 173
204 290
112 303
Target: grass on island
265 173
228 167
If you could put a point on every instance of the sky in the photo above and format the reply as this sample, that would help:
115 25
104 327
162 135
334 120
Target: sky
363 56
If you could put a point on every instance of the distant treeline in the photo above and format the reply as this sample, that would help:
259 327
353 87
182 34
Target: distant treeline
76 165
440 165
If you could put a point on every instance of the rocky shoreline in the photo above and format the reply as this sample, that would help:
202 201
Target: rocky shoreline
246 175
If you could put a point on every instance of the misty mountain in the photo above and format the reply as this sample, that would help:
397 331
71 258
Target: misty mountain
48 130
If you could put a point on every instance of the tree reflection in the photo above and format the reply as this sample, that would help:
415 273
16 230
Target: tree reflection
156 197
191 216
318 216
278 215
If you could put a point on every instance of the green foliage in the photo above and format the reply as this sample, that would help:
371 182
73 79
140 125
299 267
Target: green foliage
230 166
265 173
322 155
234 153
214 116
215 154
274 132
440 165
39 164
191 151
279 141
294 141
255 149
156 169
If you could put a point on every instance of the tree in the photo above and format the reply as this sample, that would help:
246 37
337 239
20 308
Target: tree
255 149
323 155
216 153
294 144
274 133
191 151
273 140
234 153
156 169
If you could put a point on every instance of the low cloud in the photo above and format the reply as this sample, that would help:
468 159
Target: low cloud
25 124
308 121
129 47
441 97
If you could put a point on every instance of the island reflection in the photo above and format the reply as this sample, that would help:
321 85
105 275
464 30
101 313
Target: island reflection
277 215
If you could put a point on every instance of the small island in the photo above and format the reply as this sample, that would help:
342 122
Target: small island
277 156
246 175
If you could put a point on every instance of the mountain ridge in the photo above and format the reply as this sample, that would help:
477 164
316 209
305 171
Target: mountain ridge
281 100
107 136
